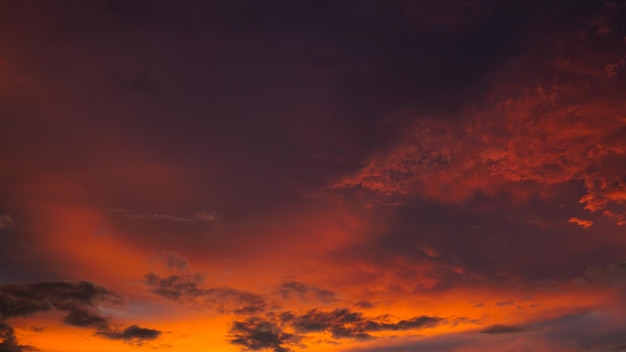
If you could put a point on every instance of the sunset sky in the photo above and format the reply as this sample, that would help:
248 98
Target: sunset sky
285 176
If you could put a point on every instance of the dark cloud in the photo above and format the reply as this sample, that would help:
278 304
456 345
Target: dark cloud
221 299
80 300
84 318
230 299
501 329
255 334
132 333
174 261
344 323
65 296
13 306
364 304
9 342
306 292
175 286
259 333
335 321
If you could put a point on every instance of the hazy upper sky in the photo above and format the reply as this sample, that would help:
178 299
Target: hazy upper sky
353 176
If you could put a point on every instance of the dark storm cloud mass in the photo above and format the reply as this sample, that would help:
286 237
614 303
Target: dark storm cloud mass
269 333
187 288
78 299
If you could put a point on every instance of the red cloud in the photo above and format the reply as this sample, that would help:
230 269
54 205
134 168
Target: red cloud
546 123
580 222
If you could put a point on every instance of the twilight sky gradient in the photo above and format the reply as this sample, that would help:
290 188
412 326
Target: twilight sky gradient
352 176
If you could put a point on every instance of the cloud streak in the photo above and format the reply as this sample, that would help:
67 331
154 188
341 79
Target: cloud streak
200 216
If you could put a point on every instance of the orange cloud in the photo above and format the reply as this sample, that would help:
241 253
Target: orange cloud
580 222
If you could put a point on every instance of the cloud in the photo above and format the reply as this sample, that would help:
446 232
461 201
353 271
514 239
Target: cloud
364 305
15 306
83 318
80 300
501 329
581 222
73 297
255 334
455 162
9 341
200 216
206 215
133 333
175 286
306 292
282 331
344 323
188 288
546 130
173 261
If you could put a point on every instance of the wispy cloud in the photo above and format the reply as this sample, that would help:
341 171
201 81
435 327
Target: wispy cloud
580 222
189 289
306 292
200 216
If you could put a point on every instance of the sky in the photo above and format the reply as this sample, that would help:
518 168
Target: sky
285 176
